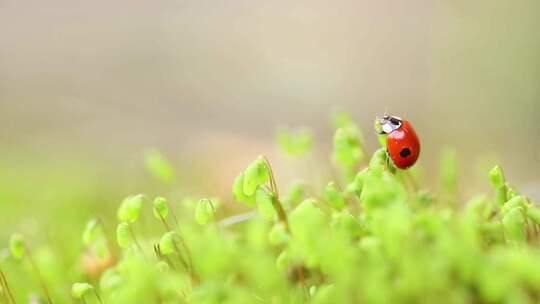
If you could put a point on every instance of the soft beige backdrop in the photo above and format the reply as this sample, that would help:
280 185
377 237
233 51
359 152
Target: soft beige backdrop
208 81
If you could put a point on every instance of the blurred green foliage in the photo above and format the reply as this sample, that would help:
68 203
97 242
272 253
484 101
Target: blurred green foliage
372 236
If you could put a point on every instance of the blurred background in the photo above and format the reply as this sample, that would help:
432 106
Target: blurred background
86 87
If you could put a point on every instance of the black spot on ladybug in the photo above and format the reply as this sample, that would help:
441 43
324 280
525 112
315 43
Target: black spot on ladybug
405 152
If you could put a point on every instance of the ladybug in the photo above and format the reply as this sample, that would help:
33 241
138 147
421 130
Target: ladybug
402 144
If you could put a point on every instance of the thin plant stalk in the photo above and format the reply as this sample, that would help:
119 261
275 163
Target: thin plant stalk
302 279
5 288
137 242
276 202
189 264
6 293
169 262
173 215
283 218
97 295
176 223
38 274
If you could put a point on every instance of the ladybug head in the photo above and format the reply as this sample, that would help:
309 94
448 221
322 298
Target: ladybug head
389 124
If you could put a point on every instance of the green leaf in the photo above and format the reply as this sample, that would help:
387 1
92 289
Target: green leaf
265 203
130 208
204 212
161 209
159 166
123 235
167 245
334 196
78 290
17 246
90 232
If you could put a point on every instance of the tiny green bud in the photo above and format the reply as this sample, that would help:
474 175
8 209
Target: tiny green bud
123 235
334 196
496 177
160 209
90 232
255 174
78 290
130 209
167 243
296 193
238 191
159 166
17 246
265 203
204 212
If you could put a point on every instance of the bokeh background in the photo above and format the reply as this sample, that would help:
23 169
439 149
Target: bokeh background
86 87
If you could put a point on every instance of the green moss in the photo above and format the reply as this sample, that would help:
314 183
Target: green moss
369 236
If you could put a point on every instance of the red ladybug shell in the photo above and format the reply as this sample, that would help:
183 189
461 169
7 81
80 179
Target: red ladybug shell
403 145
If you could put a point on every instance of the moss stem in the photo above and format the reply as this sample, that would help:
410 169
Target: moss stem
38 274
276 202
5 287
